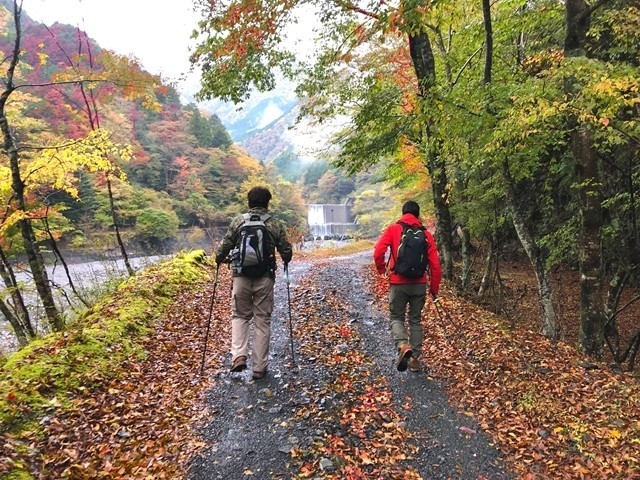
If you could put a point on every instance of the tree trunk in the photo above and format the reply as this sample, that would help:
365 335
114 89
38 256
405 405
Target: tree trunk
123 251
444 224
592 317
21 326
465 237
34 257
489 267
488 40
58 254
423 62
18 329
424 66
549 323
592 308
614 293
632 236
9 278
576 23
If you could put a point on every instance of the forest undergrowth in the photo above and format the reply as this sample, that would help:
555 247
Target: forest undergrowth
552 411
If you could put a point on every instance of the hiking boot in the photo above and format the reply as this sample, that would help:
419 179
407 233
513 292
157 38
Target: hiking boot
414 364
257 375
239 364
404 353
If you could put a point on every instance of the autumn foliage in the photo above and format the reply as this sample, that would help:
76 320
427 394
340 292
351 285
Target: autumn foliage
553 412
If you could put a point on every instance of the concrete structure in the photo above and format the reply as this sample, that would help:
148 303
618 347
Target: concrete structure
331 220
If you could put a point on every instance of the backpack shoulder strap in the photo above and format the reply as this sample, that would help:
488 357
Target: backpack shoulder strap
271 239
246 217
393 254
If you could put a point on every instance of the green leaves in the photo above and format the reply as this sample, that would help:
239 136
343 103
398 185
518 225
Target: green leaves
240 48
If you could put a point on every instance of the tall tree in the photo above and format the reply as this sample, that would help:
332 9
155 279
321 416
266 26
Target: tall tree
11 150
537 255
592 312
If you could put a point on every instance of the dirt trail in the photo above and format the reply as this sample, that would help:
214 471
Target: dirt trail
255 426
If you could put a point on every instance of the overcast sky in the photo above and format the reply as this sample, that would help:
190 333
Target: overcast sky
156 32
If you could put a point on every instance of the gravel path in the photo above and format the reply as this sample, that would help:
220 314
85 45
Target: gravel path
253 424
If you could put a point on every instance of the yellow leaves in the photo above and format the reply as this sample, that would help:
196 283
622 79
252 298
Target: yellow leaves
42 58
5 18
56 167
411 158
121 72
609 97
12 219
247 162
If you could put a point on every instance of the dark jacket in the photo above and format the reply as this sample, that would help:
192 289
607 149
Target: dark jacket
275 227
390 239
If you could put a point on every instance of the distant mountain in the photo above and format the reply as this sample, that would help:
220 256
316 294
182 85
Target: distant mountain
263 116
265 126
259 125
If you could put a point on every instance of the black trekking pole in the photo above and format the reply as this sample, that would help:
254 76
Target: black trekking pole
206 337
288 281
436 303
443 313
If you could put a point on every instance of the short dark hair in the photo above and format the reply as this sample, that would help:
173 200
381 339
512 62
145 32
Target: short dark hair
412 208
259 197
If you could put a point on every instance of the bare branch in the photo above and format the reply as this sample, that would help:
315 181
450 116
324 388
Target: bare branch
466 63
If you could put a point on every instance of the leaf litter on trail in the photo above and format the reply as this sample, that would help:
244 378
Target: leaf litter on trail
362 434
138 424
551 416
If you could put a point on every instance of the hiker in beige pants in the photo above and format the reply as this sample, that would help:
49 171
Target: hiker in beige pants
252 299
252 295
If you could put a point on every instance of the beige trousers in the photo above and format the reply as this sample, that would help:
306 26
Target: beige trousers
252 298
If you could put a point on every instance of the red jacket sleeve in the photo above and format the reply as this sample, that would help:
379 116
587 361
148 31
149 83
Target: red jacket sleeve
435 270
380 250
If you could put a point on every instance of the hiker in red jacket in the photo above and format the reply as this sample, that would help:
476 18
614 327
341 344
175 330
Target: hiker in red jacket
405 290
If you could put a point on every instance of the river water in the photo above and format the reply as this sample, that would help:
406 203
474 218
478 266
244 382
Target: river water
90 279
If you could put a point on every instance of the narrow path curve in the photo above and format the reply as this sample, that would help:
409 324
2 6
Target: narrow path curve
256 425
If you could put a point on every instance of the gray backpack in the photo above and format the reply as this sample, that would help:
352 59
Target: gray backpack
254 251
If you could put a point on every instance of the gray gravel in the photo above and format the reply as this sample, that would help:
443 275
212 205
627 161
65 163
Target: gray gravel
252 427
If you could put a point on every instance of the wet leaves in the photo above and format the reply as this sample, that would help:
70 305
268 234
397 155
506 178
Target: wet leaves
550 415
137 422
363 436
